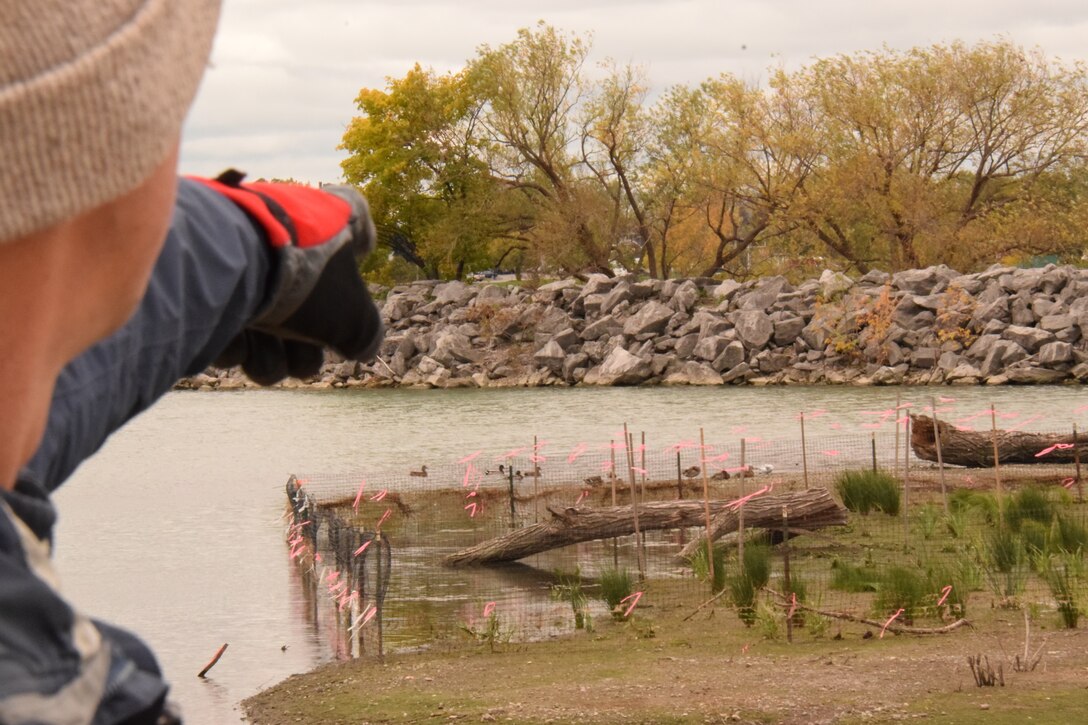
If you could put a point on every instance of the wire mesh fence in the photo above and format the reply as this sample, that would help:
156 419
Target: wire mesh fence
921 544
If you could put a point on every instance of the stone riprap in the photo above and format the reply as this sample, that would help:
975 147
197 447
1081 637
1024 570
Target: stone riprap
927 326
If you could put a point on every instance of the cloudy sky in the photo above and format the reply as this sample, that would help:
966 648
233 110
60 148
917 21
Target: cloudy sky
284 73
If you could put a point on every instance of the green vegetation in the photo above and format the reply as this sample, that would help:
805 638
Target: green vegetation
700 566
568 588
616 585
745 585
866 490
525 160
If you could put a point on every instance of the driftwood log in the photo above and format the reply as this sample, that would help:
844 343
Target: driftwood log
975 449
807 510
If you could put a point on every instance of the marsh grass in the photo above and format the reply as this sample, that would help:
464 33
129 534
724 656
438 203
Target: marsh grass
615 586
863 491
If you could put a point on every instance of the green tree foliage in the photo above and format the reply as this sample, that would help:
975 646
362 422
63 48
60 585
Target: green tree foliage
886 159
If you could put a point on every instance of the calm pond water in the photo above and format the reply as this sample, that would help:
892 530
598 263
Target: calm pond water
174 529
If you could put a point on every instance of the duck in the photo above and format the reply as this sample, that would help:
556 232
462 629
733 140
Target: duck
594 481
746 472
500 472
421 473
722 475
519 475
692 472
765 469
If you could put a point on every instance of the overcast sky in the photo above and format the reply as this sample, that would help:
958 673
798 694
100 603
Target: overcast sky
284 73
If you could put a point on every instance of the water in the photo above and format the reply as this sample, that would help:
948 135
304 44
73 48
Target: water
174 528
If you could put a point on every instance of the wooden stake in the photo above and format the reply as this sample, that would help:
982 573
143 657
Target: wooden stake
997 462
872 444
940 458
612 479
642 465
679 479
629 440
804 452
536 482
740 511
786 569
642 488
898 402
706 507
513 514
212 663
906 482
379 593
1076 460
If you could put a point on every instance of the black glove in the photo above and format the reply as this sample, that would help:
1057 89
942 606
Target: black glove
317 297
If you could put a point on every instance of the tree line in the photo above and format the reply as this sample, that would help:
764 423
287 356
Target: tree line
531 158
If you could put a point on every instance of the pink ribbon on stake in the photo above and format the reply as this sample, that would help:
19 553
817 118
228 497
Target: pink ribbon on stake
358 497
890 620
635 597
944 594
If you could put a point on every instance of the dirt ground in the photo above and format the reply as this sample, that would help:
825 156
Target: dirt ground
658 668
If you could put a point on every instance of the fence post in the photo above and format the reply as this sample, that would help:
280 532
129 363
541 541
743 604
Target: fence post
997 464
513 514
536 483
940 458
706 508
873 446
804 451
906 483
379 593
898 402
786 570
629 440
1076 459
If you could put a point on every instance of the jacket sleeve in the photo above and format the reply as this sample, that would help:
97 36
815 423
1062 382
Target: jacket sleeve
211 278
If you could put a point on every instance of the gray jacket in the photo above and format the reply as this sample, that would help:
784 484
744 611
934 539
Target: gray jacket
58 666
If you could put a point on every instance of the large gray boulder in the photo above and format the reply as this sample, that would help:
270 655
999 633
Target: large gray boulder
693 373
833 284
1029 338
730 357
764 295
685 296
454 292
710 347
550 356
623 368
652 318
754 328
451 348
604 327
1002 354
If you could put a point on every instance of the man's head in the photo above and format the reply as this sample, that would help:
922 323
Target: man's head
92 97
93 94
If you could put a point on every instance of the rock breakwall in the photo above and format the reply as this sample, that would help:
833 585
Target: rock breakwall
929 326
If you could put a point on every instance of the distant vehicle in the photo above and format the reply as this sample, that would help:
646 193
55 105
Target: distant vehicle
486 274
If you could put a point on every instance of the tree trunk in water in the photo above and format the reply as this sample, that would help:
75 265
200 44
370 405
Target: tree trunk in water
812 509
807 510
975 449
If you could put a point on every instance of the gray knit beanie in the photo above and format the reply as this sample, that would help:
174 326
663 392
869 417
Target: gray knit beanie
92 97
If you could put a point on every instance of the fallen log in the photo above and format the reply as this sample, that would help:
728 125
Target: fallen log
812 509
807 510
975 449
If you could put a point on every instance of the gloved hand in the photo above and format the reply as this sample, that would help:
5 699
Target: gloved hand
317 297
